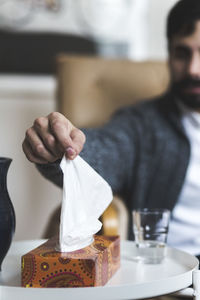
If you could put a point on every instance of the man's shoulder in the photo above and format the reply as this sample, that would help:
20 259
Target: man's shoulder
151 104
147 107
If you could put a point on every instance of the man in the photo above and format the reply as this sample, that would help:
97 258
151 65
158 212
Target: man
148 153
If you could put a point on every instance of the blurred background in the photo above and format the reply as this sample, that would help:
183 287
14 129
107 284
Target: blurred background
32 33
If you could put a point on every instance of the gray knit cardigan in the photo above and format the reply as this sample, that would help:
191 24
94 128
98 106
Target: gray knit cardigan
142 152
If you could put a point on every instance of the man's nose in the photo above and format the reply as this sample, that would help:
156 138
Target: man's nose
194 65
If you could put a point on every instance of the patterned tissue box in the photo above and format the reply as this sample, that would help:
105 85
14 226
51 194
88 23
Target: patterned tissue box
91 266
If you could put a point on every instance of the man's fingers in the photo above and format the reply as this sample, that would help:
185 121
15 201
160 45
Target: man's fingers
78 139
30 155
70 153
41 126
61 128
70 138
38 147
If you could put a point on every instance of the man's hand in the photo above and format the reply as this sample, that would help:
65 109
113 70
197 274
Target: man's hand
50 138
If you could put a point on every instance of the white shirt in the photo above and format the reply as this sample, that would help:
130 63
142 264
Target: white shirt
184 229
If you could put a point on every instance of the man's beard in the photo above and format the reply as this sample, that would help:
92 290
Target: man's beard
183 90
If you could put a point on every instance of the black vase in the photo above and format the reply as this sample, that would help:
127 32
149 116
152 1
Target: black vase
7 214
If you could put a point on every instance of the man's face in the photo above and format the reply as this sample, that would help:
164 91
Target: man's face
184 63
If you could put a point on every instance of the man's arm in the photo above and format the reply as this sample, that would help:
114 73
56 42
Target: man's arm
109 150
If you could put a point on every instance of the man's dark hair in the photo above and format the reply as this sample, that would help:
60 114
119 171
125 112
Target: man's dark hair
182 18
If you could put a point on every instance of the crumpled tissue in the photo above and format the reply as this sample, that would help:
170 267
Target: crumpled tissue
85 197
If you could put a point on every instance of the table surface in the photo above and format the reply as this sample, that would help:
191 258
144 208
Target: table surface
133 280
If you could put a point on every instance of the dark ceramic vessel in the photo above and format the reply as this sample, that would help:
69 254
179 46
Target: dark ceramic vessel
7 214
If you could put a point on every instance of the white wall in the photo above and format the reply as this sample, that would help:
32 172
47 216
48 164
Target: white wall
138 23
157 43
22 99
149 30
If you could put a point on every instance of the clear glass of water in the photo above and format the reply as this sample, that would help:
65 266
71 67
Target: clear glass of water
150 227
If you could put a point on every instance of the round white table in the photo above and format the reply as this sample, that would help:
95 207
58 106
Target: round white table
133 280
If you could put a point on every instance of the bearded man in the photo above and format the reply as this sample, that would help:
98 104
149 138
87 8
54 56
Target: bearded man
149 153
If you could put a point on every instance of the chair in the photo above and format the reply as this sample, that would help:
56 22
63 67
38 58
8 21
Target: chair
90 89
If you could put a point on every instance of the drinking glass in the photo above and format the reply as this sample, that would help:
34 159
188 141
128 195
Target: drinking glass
150 227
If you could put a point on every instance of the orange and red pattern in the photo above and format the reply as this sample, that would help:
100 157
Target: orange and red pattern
91 266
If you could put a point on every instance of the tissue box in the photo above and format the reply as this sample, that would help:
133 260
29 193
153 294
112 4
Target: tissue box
91 266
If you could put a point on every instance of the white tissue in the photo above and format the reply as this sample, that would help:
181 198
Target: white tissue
85 197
